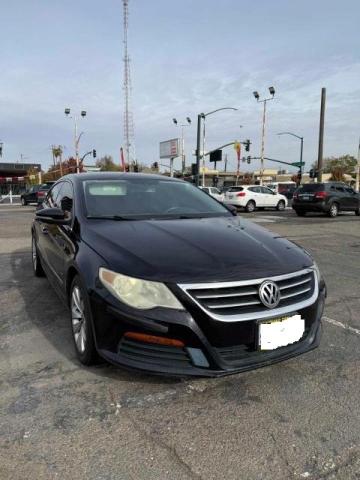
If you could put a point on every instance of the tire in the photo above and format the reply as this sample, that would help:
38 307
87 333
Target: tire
81 326
280 206
36 262
23 201
333 210
250 206
300 213
357 212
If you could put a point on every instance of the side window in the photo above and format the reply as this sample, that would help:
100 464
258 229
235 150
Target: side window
215 190
350 190
254 189
332 188
340 189
266 190
65 197
52 195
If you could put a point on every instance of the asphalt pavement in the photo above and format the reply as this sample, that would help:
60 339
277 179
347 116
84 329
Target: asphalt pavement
60 420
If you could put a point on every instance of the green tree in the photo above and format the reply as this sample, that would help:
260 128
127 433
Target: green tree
107 164
346 163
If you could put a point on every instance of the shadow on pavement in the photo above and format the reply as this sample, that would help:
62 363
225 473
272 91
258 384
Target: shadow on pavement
44 309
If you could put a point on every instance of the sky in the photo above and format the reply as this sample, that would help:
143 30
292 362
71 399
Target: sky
187 57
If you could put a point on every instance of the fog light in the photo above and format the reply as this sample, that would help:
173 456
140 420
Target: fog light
143 337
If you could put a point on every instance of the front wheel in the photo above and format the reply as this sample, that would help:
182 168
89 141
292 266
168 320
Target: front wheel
81 324
334 210
250 206
280 206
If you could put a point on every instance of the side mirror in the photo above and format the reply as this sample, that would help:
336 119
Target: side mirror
53 216
232 209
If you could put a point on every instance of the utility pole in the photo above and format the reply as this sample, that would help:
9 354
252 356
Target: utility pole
225 162
198 139
264 101
321 135
358 169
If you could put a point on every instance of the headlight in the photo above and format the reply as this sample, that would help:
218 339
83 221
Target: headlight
142 294
317 271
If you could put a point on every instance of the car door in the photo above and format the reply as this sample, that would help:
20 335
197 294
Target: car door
352 198
256 195
270 199
342 197
61 246
46 231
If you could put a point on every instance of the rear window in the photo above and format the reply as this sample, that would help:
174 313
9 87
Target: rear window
235 189
312 187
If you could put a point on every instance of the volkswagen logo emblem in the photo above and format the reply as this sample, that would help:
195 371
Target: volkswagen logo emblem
269 294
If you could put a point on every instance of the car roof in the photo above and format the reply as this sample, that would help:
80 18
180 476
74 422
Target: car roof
81 177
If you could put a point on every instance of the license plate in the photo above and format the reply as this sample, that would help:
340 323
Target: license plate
231 196
306 197
280 332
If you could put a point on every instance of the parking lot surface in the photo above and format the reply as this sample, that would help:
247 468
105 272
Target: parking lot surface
296 419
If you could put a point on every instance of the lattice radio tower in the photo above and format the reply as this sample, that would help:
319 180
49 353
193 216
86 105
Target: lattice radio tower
128 115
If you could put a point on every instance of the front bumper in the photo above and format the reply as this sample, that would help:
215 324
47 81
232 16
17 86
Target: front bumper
212 348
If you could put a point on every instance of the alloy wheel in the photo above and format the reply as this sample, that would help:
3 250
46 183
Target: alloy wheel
78 319
333 210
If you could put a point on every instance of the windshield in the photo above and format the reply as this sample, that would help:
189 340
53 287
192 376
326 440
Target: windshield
235 189
148 198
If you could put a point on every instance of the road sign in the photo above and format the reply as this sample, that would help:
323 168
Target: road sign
169 148
297 164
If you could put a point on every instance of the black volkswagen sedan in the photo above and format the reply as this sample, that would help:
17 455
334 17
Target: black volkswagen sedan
159 276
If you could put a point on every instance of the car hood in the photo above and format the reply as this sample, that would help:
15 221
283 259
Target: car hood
193 250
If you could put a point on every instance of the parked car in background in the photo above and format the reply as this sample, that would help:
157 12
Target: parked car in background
329 198
251 197
284 188
30 195
214 192
35 193
160 277
41 193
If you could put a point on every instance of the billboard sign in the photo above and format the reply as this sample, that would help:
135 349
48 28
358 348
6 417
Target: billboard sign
170 148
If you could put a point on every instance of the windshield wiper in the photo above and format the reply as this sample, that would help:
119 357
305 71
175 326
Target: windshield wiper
110 217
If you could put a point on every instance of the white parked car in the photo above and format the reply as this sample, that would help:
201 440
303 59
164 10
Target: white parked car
251 197
214 192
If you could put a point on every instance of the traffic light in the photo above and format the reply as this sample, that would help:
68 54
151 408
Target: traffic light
247 145
216 156
248 159
94 153
194 170
313 173
243 159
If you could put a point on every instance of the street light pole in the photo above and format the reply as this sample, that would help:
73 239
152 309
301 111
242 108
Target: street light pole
264 101
76 136
301 146
262 144
182 125
198 142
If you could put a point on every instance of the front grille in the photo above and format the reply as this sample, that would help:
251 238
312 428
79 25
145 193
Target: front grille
241 299
161 355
